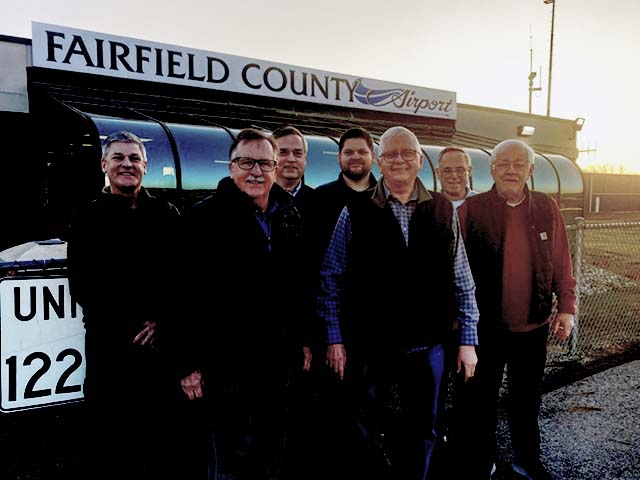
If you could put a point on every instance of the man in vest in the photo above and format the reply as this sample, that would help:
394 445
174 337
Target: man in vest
519 255
338 429
385 328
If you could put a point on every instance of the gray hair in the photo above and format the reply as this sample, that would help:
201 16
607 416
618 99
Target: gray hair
453 148
397 131
509 143
122 136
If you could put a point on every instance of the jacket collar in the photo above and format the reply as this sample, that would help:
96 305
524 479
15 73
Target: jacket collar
143 196
496 198
379 196
278 196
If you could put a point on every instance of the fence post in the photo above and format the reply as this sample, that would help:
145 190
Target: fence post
578 243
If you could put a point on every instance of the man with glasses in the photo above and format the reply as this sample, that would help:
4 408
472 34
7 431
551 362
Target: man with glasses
519 255
394 279
243 237
454 172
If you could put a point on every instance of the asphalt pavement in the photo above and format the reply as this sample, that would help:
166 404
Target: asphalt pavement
590 431
590 428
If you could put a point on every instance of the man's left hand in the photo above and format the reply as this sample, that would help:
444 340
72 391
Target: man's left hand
192 385
147 335
562 325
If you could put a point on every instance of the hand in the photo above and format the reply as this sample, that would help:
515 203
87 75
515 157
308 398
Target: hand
337 358
468 359
147 335
192 385
306 364
562 325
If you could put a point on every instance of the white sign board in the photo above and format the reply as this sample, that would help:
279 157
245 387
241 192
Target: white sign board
75 50
41 343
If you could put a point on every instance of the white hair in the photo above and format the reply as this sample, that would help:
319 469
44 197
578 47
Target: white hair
396 131
509 143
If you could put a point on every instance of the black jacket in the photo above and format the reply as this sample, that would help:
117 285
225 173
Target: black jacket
121 263
331 198
122 271
248 293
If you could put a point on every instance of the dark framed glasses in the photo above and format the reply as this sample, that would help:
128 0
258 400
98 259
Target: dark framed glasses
247 163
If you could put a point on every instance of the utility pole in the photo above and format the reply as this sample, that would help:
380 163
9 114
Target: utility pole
553 16
532 74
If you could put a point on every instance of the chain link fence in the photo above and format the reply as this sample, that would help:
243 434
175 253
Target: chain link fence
606 262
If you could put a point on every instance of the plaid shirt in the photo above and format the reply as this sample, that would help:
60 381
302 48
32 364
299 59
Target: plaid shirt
335 261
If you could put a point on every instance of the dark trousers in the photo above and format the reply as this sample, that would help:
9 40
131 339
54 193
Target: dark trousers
412 438
249 410
396 401
138 422
475 414
439 467
316 424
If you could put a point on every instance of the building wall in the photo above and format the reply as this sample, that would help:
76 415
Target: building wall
552 135
15 57
610 192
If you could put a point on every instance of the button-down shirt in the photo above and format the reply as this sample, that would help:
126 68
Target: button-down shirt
335 261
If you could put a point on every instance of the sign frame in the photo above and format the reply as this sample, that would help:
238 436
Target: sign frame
83 51
42 360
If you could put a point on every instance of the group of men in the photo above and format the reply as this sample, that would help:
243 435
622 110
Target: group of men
315 330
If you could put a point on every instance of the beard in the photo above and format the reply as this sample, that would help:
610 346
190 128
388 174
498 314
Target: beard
355 175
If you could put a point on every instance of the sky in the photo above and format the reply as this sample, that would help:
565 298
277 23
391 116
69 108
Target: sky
480 49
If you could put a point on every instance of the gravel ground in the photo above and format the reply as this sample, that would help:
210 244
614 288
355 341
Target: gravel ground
590 428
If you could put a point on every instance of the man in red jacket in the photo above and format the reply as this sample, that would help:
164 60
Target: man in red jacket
519 256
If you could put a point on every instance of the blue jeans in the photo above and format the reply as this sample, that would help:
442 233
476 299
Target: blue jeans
400 408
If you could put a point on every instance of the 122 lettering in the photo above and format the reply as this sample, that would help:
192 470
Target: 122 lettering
30 390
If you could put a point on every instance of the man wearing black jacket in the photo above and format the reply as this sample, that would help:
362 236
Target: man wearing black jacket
356 157
116 250
241 364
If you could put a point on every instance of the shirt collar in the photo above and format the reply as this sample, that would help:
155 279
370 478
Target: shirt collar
297 188
419 194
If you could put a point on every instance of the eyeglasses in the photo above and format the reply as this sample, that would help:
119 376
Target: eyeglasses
406 155
457 170
247 163
519 166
